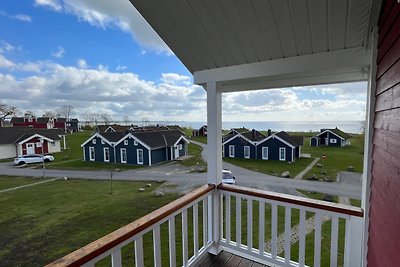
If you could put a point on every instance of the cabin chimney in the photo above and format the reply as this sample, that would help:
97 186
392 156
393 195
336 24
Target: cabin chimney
269 132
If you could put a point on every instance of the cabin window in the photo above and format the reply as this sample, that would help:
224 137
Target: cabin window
123 155
102 142
38 144
139 156
282 153
135 143
94 141
106 154
264 152
126 142
180 146
246 152
231 151
91 153
333 141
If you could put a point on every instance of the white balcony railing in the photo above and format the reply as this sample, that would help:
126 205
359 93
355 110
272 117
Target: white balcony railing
258 225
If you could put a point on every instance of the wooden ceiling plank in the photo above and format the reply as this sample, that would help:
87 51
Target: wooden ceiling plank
319 22
337 24
301 26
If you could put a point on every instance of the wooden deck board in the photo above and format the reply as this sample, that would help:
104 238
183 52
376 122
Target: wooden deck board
226 259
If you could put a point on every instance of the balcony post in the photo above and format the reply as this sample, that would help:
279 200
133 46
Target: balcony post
353 242
214 162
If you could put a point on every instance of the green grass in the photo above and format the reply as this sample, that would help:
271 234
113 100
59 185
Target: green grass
74 150
39 224
337 158
272 167
88 165
195 159
201 139
10 182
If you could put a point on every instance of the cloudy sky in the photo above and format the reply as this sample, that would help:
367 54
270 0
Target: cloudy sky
100 56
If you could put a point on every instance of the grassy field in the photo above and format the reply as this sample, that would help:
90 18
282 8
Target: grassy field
272 167
195 159
42 223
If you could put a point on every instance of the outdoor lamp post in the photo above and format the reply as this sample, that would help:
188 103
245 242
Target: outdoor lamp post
44 167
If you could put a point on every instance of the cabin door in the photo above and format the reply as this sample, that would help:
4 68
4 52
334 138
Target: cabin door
176 152
30 148
326 141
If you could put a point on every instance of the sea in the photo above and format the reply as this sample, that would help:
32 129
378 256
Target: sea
288 126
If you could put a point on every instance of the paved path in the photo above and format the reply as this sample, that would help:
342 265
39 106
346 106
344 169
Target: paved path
27 185
309 167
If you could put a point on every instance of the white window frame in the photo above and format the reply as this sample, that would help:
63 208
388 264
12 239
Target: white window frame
135 143
180 146
263 154
102 142
231 151
123 150
284 153
126 142
94 141
138 152
91 149
246 150
333 141
38 144
108 154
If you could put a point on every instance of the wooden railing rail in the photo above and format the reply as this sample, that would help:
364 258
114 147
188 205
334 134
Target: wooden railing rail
301 201
108 242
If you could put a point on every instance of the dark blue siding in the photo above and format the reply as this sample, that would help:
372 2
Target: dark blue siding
330 136
98 150
158 155
273 145
131 152
182 152
314 141
239 144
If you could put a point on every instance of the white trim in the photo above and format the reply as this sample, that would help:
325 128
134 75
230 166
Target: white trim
262 152
126 142
332 141
33 136
231 155
238 135
90 154
104 154
109 127
126 155
277 137
293 154
329 131
149 156
137 156
291 71
244 152
130 135
180 138
94 141
97 135
32 146
284 150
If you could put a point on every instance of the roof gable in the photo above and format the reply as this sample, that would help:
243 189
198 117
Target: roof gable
339 133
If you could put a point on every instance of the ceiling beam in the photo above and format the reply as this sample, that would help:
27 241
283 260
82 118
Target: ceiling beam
329 67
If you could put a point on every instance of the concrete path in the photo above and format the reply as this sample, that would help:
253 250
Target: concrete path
307 169
28 185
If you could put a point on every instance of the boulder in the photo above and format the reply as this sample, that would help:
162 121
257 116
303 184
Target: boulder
328 198
286 174
350 168
313 177
148 185
141 189
158 194
319 165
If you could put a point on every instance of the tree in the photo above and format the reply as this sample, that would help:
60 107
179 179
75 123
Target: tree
49 114
105 118
6 110
126 120
65 111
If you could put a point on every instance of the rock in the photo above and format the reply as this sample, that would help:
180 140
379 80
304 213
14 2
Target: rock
313 177
286 174
159 181
328 198
117 170
148 185
65 178
141 189
328 179
158 194
319 165
350 168
322 172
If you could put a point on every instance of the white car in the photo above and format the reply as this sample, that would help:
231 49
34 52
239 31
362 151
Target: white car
228 178
33 158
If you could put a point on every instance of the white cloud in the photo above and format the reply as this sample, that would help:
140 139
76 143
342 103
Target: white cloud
117 13
82 63
5 63
59 53
22 17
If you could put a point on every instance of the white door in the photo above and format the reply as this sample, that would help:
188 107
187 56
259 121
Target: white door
30 148
139 156
177 152
326 141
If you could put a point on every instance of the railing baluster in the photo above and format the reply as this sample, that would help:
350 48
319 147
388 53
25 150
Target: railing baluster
196 229
302 237
334 241
317 240
274 229
261 227
249 224
238 221
184 238
116 260
139 252
157 246
228 218
288 232
205 222
171 234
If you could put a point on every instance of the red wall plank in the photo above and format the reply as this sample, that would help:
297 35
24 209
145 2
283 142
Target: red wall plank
384 214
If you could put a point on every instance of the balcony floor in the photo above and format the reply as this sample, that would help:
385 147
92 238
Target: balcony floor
227 259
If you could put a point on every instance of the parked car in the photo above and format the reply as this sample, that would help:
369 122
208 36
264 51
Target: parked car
228 178
33 158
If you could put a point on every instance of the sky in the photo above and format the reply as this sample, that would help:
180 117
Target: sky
102 57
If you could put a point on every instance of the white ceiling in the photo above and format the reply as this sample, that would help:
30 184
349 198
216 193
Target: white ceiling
209 34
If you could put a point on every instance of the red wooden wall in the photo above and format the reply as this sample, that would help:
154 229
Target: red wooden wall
384 224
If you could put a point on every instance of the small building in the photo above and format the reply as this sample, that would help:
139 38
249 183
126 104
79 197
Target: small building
241 145
200 132
115 128
137 148
17 141
67 125
330 137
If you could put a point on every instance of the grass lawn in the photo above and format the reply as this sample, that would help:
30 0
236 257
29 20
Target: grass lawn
272 167
42 223
10 182
195 159
337 158
201 139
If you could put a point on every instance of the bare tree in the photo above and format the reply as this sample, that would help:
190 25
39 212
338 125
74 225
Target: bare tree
6 110
105 118
65 111
49 114
126 120
145 121
29 113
